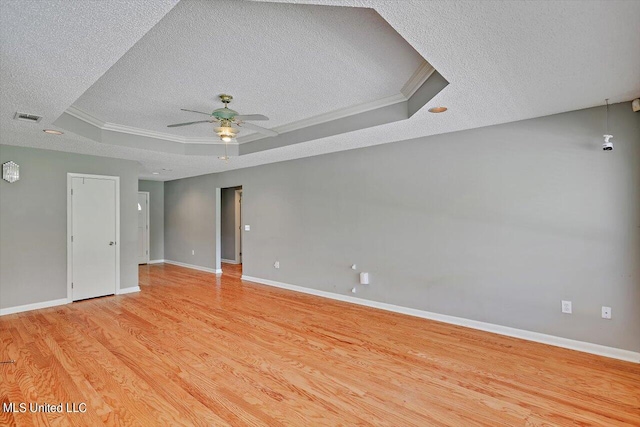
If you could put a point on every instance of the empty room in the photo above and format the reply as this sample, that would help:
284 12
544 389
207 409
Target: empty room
319 213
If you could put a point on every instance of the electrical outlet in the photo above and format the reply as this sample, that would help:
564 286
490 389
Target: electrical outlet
566 307
606 312
193 251
276 264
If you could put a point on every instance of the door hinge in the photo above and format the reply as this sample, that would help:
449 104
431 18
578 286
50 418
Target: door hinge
72 239
147 226
71 285
147 252
72 191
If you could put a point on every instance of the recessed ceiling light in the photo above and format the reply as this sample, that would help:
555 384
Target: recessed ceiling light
52 132
437 109
156 173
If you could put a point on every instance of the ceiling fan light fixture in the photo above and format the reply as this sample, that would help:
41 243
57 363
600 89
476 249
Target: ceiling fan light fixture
226 132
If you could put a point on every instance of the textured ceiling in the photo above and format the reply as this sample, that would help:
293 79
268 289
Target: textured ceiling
505 61
315 60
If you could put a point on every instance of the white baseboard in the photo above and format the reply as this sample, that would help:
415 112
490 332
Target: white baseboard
53 303
585 347
156 261
229 261
194 267
34 306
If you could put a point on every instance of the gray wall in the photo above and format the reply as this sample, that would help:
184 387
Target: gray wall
156 217
33 222
228 223
497 224
189 221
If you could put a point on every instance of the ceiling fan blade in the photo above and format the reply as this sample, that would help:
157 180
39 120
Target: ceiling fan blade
254 117
188 123
194 111
260 129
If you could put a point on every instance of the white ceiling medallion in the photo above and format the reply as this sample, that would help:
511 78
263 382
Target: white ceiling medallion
10 172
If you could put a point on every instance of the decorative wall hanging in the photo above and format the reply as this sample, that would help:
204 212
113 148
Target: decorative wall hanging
10 172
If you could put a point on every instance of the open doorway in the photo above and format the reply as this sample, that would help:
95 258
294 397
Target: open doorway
143 227
230 228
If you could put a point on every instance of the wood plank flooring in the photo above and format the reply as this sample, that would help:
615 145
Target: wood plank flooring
196 349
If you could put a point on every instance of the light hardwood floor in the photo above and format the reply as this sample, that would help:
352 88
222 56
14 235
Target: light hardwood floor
196 349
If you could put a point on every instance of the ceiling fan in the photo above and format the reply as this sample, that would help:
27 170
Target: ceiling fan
229 120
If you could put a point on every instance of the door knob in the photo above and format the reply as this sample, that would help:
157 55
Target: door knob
112 243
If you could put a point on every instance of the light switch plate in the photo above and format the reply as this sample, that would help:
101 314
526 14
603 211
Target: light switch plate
247 228
606 312
566 307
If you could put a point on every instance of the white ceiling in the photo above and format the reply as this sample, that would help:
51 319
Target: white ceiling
505 61
315 60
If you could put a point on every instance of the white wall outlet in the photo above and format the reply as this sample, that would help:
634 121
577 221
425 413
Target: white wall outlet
247 228
353 290
353 267
276 264
606 312
364 278
193 251
566 307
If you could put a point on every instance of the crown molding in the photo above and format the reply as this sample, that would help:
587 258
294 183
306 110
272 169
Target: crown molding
421 75
130 130
85 117
160 135
418 78
330 116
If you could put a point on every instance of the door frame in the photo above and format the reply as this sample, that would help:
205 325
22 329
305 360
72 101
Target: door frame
218 216
148 226
70 177
237 200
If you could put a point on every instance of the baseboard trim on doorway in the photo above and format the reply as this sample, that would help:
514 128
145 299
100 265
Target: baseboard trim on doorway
194 267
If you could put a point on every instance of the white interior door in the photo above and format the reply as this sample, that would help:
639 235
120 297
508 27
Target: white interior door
143 227
94 237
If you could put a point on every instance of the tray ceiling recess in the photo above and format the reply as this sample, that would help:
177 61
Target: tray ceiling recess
322 71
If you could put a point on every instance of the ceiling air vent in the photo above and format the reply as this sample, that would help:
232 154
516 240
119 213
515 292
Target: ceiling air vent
27 117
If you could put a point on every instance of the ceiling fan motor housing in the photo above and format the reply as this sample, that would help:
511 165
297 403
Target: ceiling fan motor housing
224 113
